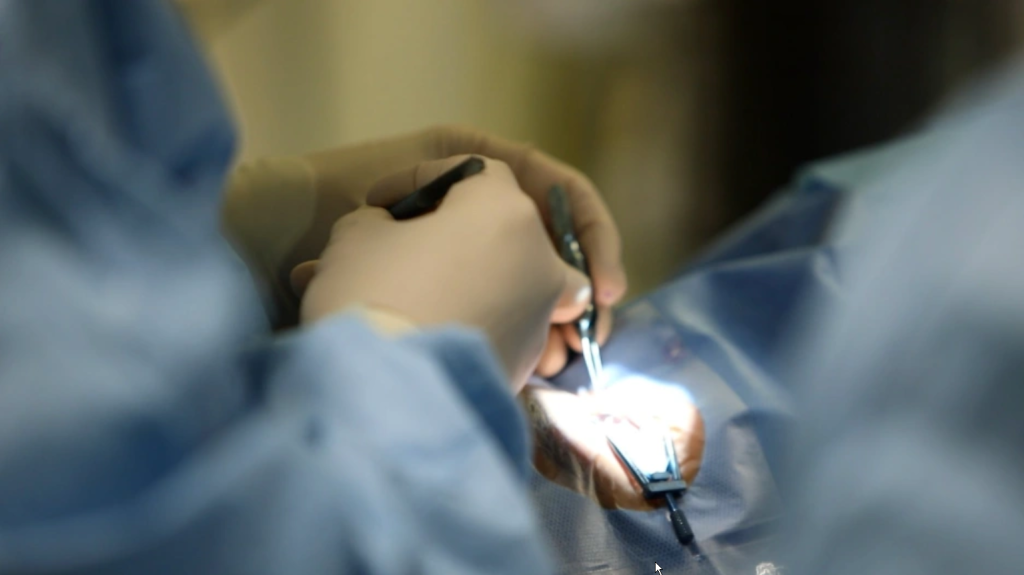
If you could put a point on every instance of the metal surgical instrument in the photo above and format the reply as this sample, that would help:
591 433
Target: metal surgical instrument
572 253
668 484
426 198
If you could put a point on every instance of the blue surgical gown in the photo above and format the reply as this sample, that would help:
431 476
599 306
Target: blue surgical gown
148 422
911 452
874 311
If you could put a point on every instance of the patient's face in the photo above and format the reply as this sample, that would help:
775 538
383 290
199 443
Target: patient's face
571 430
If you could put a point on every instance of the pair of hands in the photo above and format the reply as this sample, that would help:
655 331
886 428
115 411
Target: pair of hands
485 259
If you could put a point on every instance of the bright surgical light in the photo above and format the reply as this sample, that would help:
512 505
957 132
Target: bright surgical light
644 445
638 412
639 391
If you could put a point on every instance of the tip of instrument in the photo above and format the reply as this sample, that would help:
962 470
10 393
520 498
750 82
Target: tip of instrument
592 358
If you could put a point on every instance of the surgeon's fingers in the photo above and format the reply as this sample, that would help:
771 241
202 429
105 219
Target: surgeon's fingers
574 297
553 359
604 328
536 173
605 319
301 275
571 304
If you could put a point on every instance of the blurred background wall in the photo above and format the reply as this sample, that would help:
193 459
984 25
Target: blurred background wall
686 113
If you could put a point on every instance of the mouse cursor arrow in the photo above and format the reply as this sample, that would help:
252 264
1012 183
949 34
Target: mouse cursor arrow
657 569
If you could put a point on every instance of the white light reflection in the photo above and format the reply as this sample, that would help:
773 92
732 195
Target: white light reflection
571 431
637 412
643 445
641 386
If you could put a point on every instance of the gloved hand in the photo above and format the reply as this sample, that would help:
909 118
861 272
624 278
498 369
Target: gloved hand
281 211
570 437
483 259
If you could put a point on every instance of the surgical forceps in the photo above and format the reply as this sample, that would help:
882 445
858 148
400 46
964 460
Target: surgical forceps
569 248
668 484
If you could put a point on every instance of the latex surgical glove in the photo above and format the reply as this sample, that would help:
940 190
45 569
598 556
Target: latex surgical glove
483 259
281 211
570 437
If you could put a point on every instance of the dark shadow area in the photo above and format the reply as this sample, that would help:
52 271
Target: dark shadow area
806 79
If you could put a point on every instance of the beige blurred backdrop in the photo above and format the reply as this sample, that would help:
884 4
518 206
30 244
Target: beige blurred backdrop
315 73
686 113
309 74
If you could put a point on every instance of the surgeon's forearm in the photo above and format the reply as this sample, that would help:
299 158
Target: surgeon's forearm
353 445
268 207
